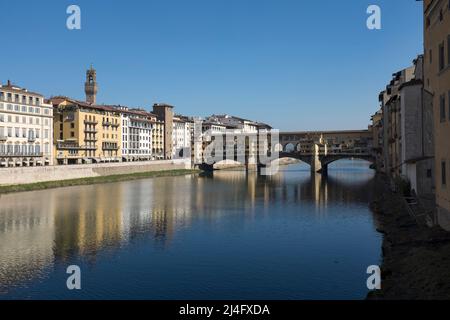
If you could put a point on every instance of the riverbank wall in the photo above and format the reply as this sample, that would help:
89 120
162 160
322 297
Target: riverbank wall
416 256
29 175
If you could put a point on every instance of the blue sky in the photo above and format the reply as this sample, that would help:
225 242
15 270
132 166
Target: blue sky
296 64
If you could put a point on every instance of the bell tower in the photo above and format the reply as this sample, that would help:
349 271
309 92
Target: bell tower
90 87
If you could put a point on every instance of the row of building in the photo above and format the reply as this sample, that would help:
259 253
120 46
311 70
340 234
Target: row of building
35 131
411 130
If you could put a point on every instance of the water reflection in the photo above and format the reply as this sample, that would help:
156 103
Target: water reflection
40 229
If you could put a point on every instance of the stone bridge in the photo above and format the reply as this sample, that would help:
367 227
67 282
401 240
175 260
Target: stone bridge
320 148
316 148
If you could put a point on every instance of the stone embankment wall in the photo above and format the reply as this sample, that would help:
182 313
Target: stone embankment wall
26 175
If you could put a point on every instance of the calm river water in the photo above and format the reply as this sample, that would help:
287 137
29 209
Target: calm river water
228 236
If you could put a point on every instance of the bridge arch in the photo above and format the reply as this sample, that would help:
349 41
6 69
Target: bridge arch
290 147
327 160
279 147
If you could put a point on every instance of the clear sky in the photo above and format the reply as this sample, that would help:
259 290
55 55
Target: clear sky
296 64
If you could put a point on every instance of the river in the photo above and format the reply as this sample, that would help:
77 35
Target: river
229 235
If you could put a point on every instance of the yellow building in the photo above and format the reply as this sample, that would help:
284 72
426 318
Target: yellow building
158 140
437 81
85 133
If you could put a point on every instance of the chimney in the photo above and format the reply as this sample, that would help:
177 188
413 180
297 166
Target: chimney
9 83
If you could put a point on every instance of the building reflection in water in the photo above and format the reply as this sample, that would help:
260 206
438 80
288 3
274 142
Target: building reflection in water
38 229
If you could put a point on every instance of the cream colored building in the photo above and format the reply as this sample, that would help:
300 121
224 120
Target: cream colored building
181 137
137 133
26 128
437 81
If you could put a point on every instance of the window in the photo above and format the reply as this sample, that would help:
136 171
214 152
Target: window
441 15
442 107
72 134
449 103
428 22
443 173
72 125
448 47
441 57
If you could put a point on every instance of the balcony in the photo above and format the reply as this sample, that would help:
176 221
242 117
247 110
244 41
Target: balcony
108 147
3 138
106 123
90 130
67 146
69 156
89 147
90 139
21 154
92 122
116 125
31 139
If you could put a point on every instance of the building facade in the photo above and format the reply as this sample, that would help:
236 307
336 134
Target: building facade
390 106
377 140
164 113
85 133
417 137
137 133
181 137
158 140
403 130
437 82
26 128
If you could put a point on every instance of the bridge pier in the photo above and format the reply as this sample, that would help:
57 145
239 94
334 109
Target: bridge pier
206 167
316 164
323 170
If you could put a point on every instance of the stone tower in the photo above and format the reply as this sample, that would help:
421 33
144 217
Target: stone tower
90 87
164 112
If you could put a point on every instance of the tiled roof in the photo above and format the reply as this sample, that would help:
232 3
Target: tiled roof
13 88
